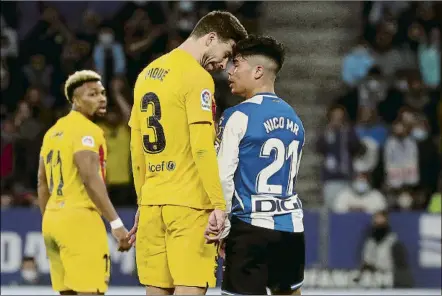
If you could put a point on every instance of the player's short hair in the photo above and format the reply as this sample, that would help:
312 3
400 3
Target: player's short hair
77 79
223 23
265 46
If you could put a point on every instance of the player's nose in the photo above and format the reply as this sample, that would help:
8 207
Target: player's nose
223 64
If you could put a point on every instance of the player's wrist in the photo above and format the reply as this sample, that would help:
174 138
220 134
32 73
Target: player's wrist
117 223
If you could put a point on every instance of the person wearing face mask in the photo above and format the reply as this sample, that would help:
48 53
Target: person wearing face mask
383 252
401 158
427 149
359 197
109 57
357 63
30 275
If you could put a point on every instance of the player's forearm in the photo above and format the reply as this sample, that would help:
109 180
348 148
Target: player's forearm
42 187
205 159
96 189
43 195
138 163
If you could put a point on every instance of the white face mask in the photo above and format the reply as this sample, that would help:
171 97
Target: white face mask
29 275
106 38
405 200
361 186
419 134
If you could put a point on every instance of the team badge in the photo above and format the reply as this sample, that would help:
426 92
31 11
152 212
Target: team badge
206 98
88 141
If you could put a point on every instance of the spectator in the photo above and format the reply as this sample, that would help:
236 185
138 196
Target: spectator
9 45
429 59
373 89
4 76
8 138
30 275
109 55
401 158
38 73
357 63
118 179
360 197
338 144
6 200
383 252
369 126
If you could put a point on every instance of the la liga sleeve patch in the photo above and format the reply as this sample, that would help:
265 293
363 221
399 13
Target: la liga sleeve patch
88 141
206 100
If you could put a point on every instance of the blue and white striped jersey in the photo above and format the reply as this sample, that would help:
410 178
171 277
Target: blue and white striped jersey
259 148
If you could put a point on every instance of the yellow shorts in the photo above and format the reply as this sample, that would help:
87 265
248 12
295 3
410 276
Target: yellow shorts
78 251
171 249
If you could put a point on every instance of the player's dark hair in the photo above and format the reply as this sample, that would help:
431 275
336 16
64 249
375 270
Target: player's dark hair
223 23
264 46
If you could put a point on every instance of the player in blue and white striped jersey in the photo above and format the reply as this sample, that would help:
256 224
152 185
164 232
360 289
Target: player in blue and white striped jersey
259 146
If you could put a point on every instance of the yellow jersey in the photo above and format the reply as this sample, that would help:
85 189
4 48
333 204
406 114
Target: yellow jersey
171 93
118 154
70 134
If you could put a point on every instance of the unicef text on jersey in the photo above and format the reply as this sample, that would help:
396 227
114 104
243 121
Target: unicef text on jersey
161 167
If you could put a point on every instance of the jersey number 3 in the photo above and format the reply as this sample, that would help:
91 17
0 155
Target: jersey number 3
158 143
281 156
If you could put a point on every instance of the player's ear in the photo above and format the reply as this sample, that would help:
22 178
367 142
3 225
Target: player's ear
211 37
258 72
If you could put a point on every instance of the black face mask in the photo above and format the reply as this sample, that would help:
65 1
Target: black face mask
379 232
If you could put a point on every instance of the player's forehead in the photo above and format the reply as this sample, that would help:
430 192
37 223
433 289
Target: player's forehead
92 86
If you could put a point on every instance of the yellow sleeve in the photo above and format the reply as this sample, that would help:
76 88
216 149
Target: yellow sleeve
138 162
204 155
199 99
87 139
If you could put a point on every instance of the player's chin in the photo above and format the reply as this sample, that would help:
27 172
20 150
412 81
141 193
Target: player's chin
101 112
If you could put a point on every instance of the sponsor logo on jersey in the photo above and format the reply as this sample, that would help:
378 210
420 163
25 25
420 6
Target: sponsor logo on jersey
206 98
275 206
88 141
161 167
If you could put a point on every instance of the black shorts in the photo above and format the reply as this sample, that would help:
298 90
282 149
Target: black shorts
258 258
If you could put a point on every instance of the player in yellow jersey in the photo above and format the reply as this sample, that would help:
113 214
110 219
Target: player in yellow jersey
174 160
72 193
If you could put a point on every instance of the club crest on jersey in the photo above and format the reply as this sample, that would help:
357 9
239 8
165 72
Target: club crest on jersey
88 141
206 98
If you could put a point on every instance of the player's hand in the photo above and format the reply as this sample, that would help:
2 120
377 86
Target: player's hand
120 235
132 235
215 226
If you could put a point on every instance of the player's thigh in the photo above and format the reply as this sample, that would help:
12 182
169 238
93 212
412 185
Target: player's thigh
84 251
192 262
286 269
151 257
245 267
53 252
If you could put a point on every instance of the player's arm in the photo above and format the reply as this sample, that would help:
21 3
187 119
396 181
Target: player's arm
200 119
138 162
88 165
42 186
233 126
136 147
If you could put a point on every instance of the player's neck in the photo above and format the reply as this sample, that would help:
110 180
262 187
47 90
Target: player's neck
261 89
192 47
78 110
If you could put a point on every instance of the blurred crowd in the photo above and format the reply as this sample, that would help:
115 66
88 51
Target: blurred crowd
43 42
382 145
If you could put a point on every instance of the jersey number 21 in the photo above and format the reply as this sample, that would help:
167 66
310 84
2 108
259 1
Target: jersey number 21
282 154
